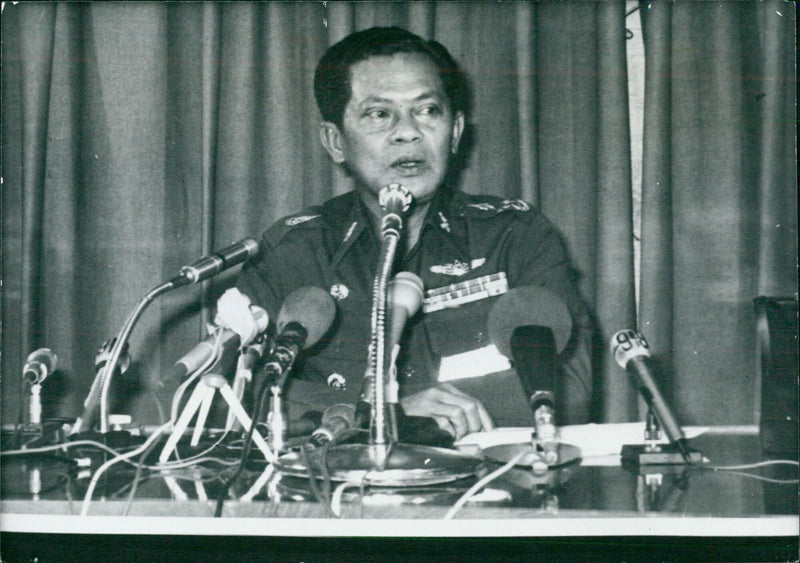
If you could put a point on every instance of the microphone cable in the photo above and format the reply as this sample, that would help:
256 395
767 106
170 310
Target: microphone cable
323 499
481 483
737 469
248 443
87 499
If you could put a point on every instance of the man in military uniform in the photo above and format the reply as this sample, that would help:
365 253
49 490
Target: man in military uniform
393 108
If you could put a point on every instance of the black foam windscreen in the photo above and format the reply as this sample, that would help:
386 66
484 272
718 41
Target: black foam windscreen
529 305
310 306
535 357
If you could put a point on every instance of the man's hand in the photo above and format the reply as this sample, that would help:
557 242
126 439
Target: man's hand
454 411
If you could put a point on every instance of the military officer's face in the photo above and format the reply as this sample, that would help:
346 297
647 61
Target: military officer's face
398 126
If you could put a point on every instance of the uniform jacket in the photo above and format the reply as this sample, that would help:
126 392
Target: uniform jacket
464 236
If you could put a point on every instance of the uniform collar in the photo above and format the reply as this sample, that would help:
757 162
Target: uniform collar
443 217
351 220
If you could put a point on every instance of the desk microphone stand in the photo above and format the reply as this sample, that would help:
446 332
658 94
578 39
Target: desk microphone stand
199 403
653 452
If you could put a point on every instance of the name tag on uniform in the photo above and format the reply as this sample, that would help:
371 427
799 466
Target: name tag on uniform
475 363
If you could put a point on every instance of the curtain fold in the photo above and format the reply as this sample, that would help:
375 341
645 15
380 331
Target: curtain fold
140 136
719 223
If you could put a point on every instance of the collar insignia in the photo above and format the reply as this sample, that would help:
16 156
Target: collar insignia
443 223
483 206
350 231
515 204
294 221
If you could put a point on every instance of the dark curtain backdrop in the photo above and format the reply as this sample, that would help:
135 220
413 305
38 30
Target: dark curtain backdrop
139 136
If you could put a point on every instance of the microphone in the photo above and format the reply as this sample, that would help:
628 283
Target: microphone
104 355
533 350
631 352
87 417
336 420
531 325
395 200
211 265
38 365
304 317
222 338
529 305
405 299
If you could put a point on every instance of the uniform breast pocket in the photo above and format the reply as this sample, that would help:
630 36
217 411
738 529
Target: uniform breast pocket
352 329
460 329
339 359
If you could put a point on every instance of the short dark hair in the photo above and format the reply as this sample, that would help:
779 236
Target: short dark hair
332 87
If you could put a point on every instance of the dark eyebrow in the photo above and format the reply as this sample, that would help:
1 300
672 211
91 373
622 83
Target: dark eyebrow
425 95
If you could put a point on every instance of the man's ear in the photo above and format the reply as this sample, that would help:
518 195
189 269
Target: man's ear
331 138
458 129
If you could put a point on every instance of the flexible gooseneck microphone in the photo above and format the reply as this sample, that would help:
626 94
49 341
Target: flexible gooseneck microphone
404 299
395 200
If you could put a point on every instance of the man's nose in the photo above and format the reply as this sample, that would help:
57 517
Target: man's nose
406 130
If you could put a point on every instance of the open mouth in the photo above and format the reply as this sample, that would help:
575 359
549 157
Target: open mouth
408 165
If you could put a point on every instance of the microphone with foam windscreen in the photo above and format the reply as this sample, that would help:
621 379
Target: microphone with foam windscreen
531 326
404 299
305 316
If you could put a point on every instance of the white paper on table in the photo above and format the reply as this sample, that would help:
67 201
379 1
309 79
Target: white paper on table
601 441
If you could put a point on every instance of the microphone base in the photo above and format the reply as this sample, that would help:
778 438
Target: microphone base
662 454
535 458
395 465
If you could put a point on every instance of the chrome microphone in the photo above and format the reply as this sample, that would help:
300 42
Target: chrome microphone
38 365
213 264
336 420
395 200
306 315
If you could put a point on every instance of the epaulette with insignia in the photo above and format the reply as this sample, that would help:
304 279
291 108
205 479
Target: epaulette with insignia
490 206
283 226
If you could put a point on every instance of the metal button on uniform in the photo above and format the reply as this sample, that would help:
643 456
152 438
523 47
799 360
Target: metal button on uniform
339 291
337 381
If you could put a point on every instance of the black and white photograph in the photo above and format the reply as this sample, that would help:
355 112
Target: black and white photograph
399 281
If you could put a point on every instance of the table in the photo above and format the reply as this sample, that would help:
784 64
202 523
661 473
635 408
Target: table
595 497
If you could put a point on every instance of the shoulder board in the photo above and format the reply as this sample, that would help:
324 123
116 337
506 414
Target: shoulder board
307 218
491 206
